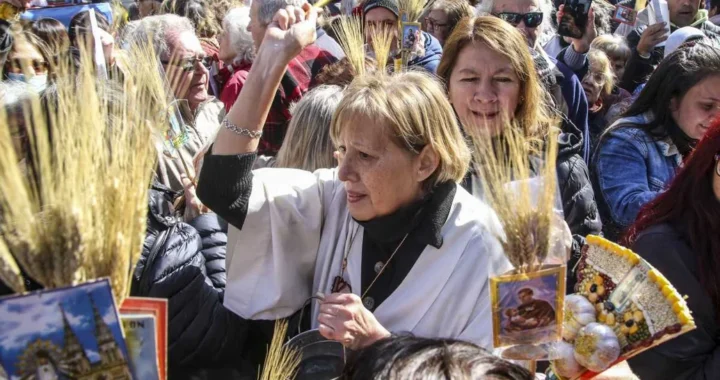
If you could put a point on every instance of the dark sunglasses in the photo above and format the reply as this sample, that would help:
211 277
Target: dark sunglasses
188 64
532 19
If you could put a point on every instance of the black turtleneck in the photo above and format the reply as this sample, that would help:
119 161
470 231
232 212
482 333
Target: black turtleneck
422 221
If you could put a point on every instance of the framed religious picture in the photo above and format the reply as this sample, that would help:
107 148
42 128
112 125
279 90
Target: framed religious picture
528 308
625 15
410 36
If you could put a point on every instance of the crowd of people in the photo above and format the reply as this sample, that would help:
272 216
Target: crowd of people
300 175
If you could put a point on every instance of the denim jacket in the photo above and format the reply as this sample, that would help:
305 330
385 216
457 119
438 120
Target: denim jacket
630 168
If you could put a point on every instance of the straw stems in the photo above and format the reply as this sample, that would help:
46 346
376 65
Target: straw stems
351 38
74 200
281 361
413 9
382 38
519 182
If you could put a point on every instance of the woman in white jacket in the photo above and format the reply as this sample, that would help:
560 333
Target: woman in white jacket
389 237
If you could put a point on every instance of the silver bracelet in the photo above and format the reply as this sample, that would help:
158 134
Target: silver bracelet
241 131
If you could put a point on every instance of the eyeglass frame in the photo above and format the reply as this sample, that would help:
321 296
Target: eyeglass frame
189 64
429 22
523 18
717 164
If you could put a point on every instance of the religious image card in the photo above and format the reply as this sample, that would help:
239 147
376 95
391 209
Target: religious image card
158 308
142 344
528 307
66 333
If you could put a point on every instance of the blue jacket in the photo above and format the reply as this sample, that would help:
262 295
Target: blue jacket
433 54
577 105
631 168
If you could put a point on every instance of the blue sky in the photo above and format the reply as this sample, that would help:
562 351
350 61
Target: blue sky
24 319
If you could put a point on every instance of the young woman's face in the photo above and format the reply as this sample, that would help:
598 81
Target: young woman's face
379 176
483 88
694 113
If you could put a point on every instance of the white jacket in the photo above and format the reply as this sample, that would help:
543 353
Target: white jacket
298 229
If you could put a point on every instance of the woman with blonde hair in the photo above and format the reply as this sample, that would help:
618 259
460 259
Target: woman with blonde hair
598 84
492 84
387 241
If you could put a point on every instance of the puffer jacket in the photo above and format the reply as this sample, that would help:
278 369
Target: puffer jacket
578 198
185 263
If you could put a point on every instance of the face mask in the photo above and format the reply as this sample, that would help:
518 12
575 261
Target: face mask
37 82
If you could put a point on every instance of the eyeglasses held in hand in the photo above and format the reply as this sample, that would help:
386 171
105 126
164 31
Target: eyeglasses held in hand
188 64
532 19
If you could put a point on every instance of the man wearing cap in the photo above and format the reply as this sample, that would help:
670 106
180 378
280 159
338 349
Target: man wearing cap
644 39
385 13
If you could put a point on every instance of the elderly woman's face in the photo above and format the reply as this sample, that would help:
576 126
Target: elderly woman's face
483 88
593 83
379 176
227 53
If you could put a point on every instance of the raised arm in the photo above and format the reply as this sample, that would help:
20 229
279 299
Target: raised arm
291 30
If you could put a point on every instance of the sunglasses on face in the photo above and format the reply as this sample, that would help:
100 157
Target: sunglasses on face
188 64
16 65
531 20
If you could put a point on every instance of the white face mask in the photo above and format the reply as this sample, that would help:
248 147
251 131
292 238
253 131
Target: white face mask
37 82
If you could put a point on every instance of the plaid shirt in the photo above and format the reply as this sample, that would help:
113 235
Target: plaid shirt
298 79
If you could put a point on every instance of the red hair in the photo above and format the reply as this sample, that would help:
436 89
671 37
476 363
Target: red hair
690 202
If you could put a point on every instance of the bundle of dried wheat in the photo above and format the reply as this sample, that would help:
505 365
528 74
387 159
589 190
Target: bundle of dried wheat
73 203
519 180
281 362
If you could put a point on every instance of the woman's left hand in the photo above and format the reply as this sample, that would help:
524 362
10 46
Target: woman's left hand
343 318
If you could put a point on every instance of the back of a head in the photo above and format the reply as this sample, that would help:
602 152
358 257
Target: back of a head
414 108
234 26
615 47
401 358
53 33
307 144
268 8
80 26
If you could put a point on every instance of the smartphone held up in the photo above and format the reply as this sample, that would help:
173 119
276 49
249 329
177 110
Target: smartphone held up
574 18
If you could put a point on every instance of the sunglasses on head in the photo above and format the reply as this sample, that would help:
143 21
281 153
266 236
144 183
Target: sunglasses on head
531 20
188 64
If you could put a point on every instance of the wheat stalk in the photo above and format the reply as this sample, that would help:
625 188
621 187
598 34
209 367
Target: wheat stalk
79 212
382 38
412 8
524 213
282 361
351 38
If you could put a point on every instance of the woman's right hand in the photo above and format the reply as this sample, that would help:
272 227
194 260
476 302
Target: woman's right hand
291 30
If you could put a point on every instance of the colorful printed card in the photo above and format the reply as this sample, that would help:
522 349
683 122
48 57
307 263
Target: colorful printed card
141 339
66 333
158 308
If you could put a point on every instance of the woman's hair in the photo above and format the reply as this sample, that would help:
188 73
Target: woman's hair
235 26
600 63
603 14
200 13
80 26
423 358
415 110
691 203
53 33
672 79
616 47
342 72
533 113
456 10
25 37
307 144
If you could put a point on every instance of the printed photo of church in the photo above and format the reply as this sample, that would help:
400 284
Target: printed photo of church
70 333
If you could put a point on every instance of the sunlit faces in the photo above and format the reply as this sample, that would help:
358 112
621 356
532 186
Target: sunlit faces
484 89
695 111
184 69
683 12
226 53
523 7
379 176
380 19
